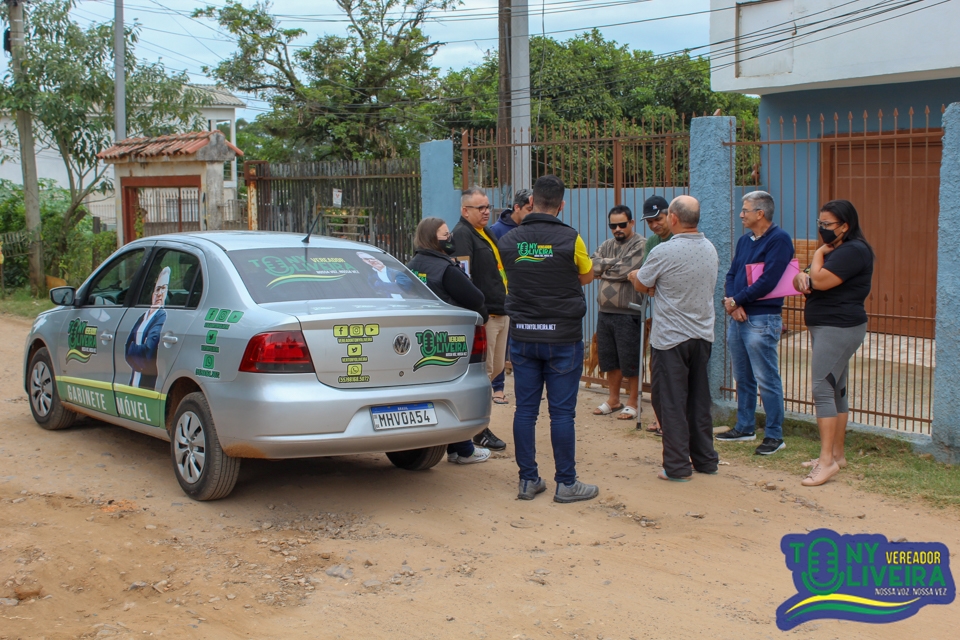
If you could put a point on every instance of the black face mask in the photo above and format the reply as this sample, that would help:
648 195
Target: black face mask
829 236
448 247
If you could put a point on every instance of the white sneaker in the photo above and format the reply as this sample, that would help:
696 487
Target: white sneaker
479 455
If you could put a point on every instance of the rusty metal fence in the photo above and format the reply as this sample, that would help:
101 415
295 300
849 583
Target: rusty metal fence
380 200
888 166
601 165
167 210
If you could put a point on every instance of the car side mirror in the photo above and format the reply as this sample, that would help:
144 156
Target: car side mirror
63 296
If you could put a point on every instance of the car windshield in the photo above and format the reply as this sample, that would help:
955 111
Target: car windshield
287 274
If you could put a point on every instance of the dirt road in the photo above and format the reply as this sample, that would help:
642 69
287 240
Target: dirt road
98 540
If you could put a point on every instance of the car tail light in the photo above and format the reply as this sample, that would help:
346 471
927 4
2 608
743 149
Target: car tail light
277 352
479 351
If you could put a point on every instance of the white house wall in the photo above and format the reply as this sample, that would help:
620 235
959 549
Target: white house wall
771 46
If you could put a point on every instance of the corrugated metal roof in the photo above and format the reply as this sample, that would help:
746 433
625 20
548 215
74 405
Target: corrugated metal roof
178 144
220 96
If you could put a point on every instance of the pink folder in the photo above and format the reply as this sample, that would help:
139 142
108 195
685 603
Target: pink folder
784 288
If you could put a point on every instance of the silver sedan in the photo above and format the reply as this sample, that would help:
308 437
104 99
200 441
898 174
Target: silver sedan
236 345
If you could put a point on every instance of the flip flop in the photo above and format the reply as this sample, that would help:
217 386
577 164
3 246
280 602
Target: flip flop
663 476
654 427
500 400
628 413
605 409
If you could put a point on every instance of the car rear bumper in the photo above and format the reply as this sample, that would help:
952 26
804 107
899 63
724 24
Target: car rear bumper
294 416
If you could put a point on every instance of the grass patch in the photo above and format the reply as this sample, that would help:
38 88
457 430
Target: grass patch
20 302
888 466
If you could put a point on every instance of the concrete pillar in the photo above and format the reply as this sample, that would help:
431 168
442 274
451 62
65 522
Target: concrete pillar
711 170
233 163
211 207
946 394
440 199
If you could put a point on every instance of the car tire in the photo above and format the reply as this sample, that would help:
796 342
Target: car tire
203 470
418 459
45 403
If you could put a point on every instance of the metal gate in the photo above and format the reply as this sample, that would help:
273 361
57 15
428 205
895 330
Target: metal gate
380 200
889 168
167 210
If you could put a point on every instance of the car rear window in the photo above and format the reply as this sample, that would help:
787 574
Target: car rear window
311 273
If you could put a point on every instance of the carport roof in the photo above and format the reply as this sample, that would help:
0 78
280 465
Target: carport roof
178 144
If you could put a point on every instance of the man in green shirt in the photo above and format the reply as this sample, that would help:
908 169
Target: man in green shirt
655 215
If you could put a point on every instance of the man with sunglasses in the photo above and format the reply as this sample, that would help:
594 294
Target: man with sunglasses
477 254
618 326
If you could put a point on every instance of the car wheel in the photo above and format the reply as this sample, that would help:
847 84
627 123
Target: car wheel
44 396
203 470
418 459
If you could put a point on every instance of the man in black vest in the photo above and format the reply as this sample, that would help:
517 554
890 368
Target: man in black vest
547 265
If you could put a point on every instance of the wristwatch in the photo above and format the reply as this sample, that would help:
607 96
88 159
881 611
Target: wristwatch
733 303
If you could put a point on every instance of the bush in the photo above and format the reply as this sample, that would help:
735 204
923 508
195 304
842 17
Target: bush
85 249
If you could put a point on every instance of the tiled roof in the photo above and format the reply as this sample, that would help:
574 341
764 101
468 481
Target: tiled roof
220 96
178 144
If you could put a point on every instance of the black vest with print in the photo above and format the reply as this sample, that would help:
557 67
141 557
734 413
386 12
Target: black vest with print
545 302
429 265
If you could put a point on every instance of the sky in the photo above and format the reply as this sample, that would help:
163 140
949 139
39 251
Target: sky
169 34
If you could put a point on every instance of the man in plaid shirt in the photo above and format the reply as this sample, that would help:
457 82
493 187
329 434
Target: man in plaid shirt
618 326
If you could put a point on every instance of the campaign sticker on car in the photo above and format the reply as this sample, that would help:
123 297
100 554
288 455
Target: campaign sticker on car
399 416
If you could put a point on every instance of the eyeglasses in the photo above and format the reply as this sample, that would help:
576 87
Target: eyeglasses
485 207
619 225
750 210
445 236
826 225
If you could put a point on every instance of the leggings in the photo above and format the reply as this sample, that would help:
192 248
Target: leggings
832 349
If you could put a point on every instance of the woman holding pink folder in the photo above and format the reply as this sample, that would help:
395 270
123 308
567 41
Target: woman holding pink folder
836 287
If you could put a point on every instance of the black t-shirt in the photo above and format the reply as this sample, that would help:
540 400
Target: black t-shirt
842 306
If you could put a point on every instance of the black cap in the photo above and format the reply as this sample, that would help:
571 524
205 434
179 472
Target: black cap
654 206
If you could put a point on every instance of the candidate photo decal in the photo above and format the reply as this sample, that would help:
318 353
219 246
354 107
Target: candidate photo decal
144 341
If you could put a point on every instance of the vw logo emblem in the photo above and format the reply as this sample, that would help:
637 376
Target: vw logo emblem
401 344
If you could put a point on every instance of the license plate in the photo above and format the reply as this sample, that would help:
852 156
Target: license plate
401 416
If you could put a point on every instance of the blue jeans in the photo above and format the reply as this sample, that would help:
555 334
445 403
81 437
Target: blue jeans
558 366
753 350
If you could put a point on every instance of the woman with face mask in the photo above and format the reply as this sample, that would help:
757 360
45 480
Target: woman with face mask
433 264
836 286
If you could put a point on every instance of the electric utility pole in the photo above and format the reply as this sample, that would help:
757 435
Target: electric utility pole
119 75
28 152
513 112
504 177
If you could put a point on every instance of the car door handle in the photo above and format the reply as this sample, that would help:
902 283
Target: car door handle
170 339
106 337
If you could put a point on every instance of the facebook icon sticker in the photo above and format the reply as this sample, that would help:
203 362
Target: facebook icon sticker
862 577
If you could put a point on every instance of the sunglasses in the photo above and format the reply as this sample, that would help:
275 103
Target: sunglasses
619 225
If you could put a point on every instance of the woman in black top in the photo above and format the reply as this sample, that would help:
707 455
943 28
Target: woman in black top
434 266
836 287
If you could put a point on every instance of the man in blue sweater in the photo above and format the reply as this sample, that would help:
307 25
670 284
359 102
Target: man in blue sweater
755 327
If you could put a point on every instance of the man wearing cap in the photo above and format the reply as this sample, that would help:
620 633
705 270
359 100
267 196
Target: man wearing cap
754 332
477 254
655 215
548 265
681 275
618 326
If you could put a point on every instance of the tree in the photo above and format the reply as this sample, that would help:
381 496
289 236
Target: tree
365 95
588 79
70 95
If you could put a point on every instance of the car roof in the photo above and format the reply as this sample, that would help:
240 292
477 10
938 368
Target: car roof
237 240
